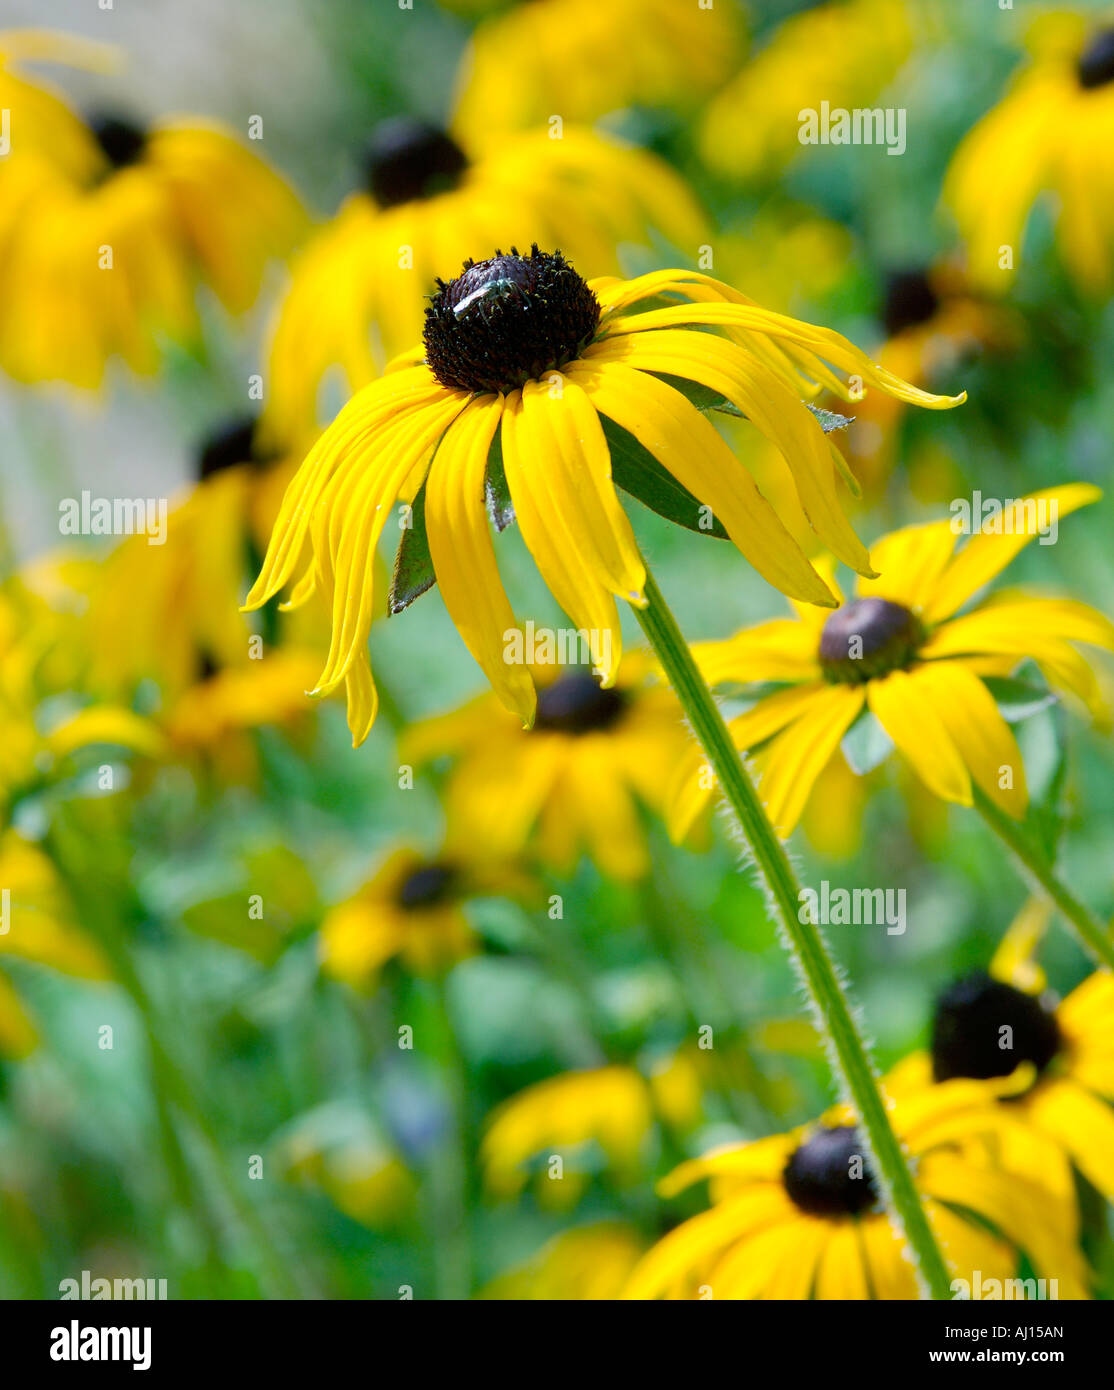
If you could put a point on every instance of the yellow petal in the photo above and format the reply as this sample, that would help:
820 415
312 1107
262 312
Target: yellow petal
789 766
975 726
986 555
908 714
684 442
768 404
463 556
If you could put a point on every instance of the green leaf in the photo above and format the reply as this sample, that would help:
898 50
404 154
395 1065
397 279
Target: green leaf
1018 699
866 744
497 494
413 572
639 474
829 419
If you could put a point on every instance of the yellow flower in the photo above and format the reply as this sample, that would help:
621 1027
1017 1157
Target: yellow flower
1061 1058
39 927
338 1149
410 910
934 321
1050 135
583 59
560 1119
572 782
102 249
359 291
797 1215
899 651
589 1263
177 598
841 53
565 375
40 739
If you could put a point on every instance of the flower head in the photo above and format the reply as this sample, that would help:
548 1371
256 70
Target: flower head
1050 135
359 291
798 1215
411 909
898 653
575 780
1058 1058
164 207
531 382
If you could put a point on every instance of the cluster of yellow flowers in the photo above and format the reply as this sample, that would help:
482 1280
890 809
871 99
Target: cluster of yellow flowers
469 303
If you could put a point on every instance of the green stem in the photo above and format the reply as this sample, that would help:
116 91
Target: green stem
452 1170
1037 868
847 1048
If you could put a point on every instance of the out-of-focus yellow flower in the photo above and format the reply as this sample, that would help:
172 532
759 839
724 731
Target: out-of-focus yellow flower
410 910
798 1215
554 1124
844 53
105 235
899 651
178 598
1060 1058
579 60
935 320
360 288
38 927
1051 134
42 734
573 782
589 1263
337 1149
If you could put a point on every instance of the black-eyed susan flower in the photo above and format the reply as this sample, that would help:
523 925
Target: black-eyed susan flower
1049 136
590 1262
797 1216
411 909
572 782
843 54
535 61
566 376
177 598
934 320
903 651
103 250
359 291
564 1129
50 728
1005 1023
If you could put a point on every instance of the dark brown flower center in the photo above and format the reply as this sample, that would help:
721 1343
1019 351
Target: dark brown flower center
910 300
428 886
508 320
578 704
868 638
406 160
1095 67
827 1174
983 1028
122 142
230 445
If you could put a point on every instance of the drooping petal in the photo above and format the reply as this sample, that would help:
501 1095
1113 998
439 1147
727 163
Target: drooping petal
685 443
768 404
571 438
530 460
404 394
463 555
